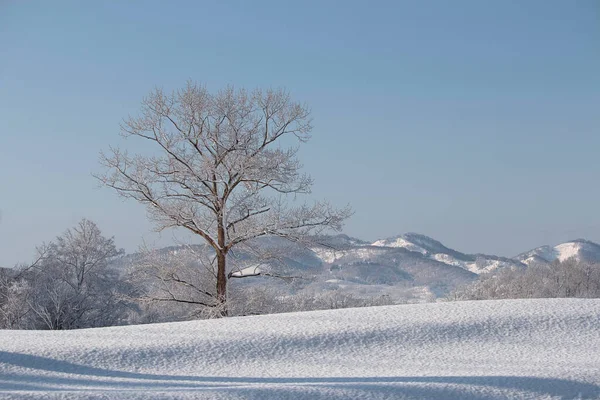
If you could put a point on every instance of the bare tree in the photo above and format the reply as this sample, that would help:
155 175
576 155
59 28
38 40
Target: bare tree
16 292
13 301
72 284
220 171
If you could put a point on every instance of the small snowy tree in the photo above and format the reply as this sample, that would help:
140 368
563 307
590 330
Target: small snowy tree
220 170
72 284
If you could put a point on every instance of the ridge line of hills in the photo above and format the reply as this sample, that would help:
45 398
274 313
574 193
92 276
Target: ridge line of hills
407 267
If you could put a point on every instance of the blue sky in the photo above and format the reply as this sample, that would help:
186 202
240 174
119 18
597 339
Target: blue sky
474 122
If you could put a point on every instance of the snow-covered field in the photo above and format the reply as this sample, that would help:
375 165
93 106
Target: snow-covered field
534 349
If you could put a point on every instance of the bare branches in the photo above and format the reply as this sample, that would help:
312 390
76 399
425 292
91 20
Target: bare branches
292 223
70 285
218 171
174 276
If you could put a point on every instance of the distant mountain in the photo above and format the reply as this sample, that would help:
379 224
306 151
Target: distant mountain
434 250
367 264
580 249
407 267
420 243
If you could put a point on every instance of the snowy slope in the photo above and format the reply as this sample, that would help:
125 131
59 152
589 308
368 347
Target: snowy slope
396 267
400 242
420 243
580 249
519 349
434 250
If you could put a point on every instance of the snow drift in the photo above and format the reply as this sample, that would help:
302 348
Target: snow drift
463 350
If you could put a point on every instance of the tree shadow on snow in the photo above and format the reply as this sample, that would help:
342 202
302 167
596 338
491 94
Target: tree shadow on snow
90 378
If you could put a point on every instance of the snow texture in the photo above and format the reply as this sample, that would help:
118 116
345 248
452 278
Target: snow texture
521 349
400 242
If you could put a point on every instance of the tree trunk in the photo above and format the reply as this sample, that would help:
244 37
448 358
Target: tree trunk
221 283
221 264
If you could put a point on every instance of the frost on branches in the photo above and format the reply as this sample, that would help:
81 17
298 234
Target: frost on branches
220 170
70 285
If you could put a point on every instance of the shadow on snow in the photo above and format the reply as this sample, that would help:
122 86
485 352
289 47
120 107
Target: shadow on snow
95 379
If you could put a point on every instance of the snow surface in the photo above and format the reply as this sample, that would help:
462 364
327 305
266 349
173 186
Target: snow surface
248 271
581 250
361 253
567 250
434 250
399 242
523 349
561 252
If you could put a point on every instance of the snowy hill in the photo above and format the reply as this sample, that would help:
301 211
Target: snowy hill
393 266
352 266
434 250
420 243
519 349
405 268
582 250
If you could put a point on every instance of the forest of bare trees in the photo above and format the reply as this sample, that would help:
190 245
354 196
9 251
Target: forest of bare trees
567 278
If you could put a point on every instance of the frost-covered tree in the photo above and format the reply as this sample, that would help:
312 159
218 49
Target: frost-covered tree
13 304
16 293
221 169
72 284
567 278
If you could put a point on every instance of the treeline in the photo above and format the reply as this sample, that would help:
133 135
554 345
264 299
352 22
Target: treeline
568 278
81 281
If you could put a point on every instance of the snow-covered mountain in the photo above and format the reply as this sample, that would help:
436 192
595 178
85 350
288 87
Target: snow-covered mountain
434 250
390 266
407 267
580 249
417 242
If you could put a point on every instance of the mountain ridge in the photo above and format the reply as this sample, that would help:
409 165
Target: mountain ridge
410 267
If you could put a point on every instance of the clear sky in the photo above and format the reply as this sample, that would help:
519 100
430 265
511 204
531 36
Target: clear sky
474 122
